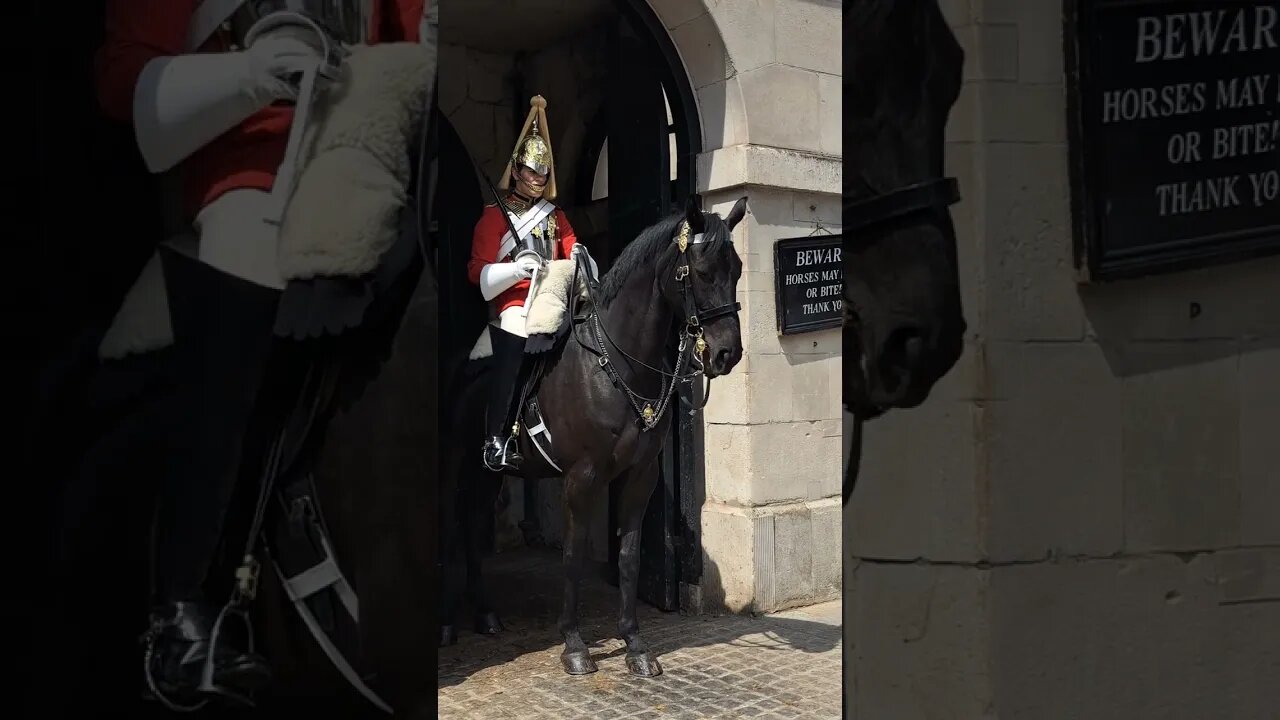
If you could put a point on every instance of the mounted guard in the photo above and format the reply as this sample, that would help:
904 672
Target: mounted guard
240 102
514 241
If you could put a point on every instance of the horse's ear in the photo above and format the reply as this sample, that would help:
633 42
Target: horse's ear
693 213
737 213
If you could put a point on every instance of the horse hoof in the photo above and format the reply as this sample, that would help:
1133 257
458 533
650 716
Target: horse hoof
578 663
488 623
448 635
643 665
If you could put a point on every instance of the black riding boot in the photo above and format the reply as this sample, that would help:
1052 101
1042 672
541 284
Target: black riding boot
223 337
501 450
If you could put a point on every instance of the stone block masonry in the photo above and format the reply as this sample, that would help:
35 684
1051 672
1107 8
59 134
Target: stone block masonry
1082 521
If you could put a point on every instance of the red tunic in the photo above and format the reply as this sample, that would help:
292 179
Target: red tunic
246 156
488 239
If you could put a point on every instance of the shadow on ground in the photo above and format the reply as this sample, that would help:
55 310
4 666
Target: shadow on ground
775 666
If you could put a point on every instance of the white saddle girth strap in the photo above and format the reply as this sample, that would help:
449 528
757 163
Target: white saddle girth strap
311 581
541 429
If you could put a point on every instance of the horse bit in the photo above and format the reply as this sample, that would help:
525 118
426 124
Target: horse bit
695 319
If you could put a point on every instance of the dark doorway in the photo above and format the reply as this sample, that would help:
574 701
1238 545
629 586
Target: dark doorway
459 204
649 114
640 194
652 172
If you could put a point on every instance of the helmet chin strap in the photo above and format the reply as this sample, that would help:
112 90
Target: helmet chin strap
526 191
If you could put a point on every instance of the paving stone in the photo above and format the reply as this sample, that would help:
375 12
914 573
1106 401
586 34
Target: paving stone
775 666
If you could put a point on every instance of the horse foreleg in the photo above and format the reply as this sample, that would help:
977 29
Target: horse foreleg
636 490
578 490
480 514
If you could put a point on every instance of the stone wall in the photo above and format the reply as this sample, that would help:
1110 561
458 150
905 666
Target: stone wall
1084 520
767 77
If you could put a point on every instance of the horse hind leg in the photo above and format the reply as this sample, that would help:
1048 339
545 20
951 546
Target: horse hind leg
480 513
452 529
578 490
451 571
636 491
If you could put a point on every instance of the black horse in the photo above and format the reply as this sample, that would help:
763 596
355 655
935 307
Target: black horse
367 469
368 460
608 403
374 472
904 324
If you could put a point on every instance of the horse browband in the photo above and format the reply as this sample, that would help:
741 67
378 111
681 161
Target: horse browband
935 194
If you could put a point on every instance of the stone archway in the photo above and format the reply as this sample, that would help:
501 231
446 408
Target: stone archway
755 90
695 35
571 60
769 110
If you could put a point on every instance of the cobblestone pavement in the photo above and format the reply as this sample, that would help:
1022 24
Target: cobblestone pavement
785 665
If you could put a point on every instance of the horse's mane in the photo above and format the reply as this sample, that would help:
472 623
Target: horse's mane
650 243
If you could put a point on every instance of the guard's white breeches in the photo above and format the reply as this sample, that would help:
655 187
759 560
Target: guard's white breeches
513 320
236 238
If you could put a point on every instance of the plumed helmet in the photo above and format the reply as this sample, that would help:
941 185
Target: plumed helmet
533 148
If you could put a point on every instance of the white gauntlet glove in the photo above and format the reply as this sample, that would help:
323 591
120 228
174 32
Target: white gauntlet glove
529 265
497 277
183 102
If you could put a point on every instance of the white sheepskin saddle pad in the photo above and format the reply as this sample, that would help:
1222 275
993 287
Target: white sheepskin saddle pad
343 213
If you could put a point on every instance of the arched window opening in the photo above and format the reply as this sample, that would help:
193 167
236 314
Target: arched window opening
600 180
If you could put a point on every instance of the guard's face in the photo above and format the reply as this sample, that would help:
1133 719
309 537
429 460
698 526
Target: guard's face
530 182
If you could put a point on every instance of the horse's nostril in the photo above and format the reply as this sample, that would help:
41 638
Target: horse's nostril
914 349
904 347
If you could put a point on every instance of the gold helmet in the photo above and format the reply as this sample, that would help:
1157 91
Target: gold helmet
533 148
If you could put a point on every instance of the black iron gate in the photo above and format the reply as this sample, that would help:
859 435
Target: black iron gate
641 192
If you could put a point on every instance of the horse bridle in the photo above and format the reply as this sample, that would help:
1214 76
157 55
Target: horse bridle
929 199
694 320
931 195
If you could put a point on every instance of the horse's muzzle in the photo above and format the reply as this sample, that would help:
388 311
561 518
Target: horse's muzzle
910 362
723 360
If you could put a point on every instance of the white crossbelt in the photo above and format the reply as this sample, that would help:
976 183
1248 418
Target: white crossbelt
524 225
206 19
541 429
